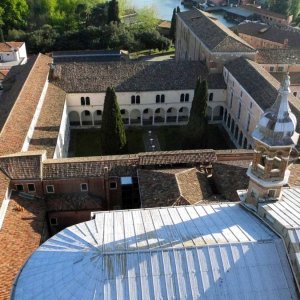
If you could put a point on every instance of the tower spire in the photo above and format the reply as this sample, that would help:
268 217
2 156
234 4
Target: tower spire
274 137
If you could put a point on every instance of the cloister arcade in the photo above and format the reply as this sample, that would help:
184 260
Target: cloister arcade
141 117
164 116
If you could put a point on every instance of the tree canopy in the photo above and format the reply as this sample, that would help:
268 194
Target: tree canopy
113 12
113 136
196 127
14 14
286 7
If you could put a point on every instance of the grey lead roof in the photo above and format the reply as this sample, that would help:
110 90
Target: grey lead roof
278 56
187 252
255 80
215 36
133 76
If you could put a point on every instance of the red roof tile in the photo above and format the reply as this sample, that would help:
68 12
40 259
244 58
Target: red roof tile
19 237
7 46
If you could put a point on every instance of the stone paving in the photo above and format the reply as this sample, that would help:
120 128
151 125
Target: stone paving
151 141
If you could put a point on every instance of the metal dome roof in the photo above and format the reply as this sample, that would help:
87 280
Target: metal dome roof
277 126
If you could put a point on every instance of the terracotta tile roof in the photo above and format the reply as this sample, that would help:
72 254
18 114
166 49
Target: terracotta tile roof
21 103
77 77
216 36
20 235
3 74
167 187
46 131
261 11
271 33
23 165
7 46
90 167
165 24
278 56
259 84
230 176
74 201
295 77
193 185
177 157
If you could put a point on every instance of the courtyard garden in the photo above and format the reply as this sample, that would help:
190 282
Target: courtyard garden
87 142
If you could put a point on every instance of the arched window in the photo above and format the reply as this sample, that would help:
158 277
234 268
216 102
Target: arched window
98 112
157 98
87 101
122 111
169 110
137 100
182 98
132 99
187 97
211 97
87 113
82 101
162 98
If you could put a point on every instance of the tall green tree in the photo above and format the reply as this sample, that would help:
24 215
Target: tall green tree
280 6
113 134
173 26
113 12
196 127
295 8
15 14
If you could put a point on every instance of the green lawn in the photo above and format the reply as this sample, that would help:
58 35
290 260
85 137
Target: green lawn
87 142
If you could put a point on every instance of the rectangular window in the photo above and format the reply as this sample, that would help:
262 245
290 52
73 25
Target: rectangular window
271 69
31 187
113 185
50 189
53 222
239 112
280 69
84 187
19 187
211 97
248 122
271 193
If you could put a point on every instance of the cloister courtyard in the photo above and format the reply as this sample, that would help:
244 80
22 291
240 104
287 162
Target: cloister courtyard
87 142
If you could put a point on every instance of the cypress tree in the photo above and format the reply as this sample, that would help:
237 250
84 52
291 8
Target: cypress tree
113 12
113 134
178 9
196 127
173 26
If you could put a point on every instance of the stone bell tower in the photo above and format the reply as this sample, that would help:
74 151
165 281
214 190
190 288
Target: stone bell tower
274 137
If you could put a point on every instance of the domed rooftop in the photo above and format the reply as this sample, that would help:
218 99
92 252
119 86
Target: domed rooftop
277 126
186 252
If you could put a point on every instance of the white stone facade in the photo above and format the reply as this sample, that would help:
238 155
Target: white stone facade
241 114
144 108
